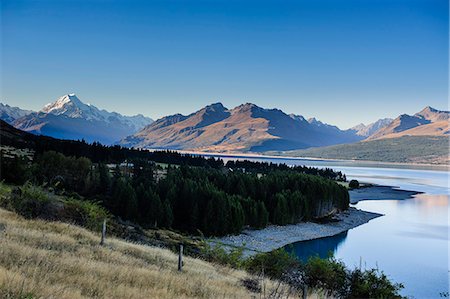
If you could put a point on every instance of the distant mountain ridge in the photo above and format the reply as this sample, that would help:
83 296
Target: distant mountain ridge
370 129
419 138
215 128
427 122
10 114
69 118
246 127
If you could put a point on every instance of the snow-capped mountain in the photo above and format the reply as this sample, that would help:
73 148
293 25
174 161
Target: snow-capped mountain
10 114
366 131
71 106
70 118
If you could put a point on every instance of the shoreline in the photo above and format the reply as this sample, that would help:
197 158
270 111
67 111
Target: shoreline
274 236
380 192
437 167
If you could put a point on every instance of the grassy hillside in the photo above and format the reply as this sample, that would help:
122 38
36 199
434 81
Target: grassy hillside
407 149
40 259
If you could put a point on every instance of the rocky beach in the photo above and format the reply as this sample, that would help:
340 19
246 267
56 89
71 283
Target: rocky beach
273 237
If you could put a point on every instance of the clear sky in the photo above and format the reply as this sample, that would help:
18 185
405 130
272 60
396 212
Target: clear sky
342 61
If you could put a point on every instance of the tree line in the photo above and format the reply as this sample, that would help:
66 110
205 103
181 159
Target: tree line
193 199
99 153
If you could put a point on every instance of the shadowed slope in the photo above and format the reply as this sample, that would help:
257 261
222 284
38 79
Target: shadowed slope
244 128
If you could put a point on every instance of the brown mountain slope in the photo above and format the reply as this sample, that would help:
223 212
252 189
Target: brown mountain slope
428 122
235 130
244 128
433 129
433 115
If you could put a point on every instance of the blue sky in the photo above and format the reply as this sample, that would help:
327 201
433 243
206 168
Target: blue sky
342 61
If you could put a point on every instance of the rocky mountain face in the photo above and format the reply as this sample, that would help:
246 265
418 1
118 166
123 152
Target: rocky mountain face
244 128
10 114
69 118
427 122
366 131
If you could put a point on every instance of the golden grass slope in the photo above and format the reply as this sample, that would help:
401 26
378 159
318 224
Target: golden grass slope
40 259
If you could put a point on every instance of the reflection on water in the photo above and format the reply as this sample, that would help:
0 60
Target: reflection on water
410 243
427 200
323 247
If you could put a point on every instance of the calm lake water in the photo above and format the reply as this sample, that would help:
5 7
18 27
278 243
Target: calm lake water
410 243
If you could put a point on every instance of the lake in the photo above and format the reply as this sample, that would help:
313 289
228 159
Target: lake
410 243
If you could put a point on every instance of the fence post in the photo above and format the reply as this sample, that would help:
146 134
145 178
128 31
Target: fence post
102 241
305 291
180 258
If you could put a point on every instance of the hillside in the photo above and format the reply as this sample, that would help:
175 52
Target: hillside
244 128
406 149
40 259
427 122
10 114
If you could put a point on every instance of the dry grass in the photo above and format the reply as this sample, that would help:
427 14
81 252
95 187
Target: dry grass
40 259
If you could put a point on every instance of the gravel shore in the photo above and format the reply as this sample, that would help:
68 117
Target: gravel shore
273 237
379 192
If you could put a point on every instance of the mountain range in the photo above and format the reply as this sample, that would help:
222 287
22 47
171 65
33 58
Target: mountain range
370 129
215 128
247 127
69 118
10 114
429 121
419 138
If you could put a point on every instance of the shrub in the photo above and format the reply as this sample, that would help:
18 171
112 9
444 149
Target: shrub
327 274
274 264
372 284
84 213
31 201
354 184
218 254
35 202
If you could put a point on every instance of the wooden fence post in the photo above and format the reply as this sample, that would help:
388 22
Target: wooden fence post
180 258
305 291
102 241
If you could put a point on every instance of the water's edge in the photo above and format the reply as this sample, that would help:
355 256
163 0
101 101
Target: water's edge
274 237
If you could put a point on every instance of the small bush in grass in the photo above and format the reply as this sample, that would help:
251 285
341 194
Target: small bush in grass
5 192
218 254
372 284
273 264
84 213
327 274
31 201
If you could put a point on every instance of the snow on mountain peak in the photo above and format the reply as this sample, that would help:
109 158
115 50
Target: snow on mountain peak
71 106
63 105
